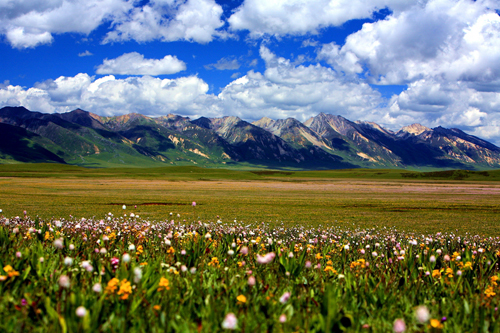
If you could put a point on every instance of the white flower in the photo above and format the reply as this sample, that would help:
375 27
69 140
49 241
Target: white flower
97 288
230 322
59 243
68 261
126 257
64 281
137 274
81 311
131 247
230 252
422 314
124 207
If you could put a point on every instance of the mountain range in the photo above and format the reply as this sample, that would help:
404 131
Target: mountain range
322 142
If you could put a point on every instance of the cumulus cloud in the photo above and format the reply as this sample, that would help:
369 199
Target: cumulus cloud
283 90
31 23
449 104
454 40
286 90
134 64
167 20
108 95
300 17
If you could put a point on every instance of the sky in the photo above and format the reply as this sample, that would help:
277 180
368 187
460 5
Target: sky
393 62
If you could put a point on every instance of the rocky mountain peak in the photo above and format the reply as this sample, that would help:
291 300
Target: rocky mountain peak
415 129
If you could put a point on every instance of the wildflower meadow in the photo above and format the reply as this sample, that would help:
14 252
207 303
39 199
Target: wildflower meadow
127 274
201 250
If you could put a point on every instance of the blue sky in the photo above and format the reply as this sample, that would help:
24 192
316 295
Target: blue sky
393 62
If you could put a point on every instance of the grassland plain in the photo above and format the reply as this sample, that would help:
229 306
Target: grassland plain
326 251
458 201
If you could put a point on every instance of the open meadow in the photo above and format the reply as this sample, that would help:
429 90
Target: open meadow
121 250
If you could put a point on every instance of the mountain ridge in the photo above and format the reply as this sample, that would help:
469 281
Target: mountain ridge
324 141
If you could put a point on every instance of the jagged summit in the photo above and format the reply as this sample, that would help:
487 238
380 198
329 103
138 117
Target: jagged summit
414 129
324 141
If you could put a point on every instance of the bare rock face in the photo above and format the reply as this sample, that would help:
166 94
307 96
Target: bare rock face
321 142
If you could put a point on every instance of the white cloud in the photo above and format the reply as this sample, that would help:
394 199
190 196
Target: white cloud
300 17
108 95
226 63
285 90
87 53
134 64
454 40
31 23
437 103
170 20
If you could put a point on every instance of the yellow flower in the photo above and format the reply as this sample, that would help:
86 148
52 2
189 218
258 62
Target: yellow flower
125 289
329 263
449 272
112 286
319 256
436 323
214 262
330 269
489 292
10 271
140 249
171 250
468 265
3 277
163 285
240 264
241 299
143 263
494 280
436 273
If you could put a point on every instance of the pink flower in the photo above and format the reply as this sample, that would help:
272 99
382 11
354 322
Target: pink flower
265 259
194 204
251 281
282 318
285 297
399 326
244 250
230 322
308 264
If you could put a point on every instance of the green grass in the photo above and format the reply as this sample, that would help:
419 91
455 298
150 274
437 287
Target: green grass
348 198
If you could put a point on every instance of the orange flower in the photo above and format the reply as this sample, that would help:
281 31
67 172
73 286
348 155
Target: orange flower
171 250
436 273
10 271
489 292
125 289
330 269
494 280
112 286
435 323
163 285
